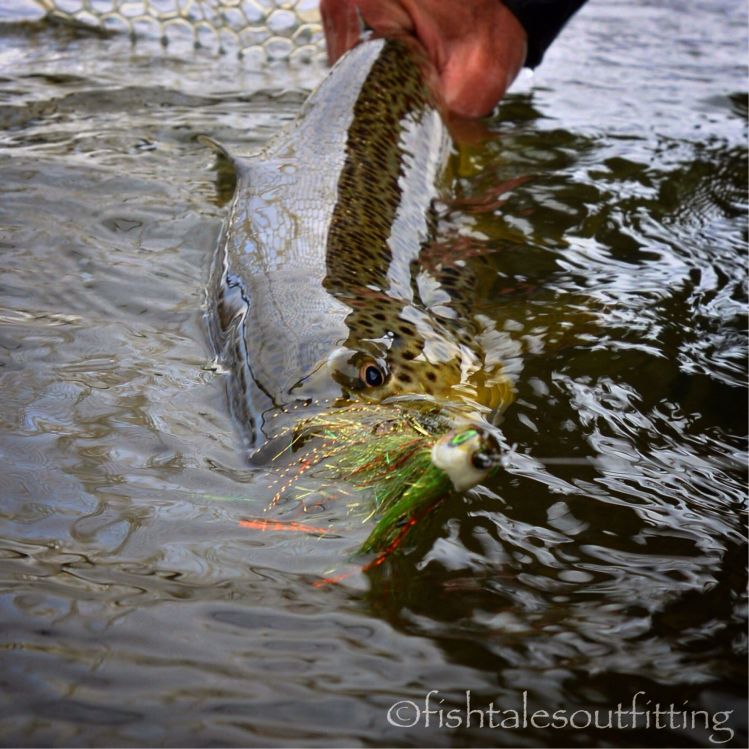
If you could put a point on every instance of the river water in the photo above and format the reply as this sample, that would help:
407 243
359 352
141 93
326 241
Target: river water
607 560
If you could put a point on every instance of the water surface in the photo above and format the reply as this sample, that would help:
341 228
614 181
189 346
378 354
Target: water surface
609 558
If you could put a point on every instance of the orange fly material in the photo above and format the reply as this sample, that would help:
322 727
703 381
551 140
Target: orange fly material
392 546
335 580
259 524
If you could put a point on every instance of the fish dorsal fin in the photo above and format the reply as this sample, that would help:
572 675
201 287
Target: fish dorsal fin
241 165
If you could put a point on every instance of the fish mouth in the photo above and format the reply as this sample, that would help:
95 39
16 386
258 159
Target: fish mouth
464 407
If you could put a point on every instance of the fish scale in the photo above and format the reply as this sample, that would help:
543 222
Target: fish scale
319 269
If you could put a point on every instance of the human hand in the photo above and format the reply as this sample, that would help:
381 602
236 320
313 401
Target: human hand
477 46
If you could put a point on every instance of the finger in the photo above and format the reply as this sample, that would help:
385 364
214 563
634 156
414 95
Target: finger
480 67
472 83
386 17
342 21
341 26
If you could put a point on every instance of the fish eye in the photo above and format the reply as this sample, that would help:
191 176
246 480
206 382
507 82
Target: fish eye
371 374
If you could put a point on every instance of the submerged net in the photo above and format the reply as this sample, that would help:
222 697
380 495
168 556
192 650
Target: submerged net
253 29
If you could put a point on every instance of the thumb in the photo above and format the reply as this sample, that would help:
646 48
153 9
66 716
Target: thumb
341 26
472 83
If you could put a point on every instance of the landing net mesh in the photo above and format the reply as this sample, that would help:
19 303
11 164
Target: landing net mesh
269 29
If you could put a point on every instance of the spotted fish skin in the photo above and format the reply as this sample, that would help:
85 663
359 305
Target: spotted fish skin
319 295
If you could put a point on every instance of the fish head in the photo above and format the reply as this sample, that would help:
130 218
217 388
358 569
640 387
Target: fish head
398 352
404 400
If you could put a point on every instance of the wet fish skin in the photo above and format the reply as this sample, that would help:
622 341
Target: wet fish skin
318 280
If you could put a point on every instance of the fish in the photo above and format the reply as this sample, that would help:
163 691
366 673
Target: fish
343 343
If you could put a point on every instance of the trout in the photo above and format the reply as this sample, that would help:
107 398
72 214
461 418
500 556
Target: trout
342 337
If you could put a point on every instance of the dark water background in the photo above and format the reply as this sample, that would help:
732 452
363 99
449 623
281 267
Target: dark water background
609 559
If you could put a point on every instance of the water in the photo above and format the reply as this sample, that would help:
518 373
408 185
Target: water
608 560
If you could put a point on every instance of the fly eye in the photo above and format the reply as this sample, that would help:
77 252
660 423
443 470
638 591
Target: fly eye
371 375
459 439
482 461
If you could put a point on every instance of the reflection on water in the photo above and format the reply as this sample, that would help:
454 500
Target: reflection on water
609 557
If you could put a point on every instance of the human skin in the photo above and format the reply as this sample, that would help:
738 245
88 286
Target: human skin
477 46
